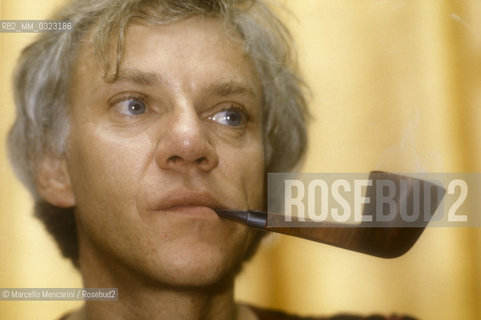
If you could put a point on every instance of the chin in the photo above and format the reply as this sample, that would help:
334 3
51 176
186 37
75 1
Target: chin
202 267
185 256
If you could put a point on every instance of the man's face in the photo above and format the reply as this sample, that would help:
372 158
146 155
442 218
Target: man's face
150 154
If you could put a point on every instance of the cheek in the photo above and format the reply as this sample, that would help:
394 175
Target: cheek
248 167
256 184
104 168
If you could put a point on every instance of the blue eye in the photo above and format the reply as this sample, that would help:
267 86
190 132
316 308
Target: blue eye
130 106
230 117
135 107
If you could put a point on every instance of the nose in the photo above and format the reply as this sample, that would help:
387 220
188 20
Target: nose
185 144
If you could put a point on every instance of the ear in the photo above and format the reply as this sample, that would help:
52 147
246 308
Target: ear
53 182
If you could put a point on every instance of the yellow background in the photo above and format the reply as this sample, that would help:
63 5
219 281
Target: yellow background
395 86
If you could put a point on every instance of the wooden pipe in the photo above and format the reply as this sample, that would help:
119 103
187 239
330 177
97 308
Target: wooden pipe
382 239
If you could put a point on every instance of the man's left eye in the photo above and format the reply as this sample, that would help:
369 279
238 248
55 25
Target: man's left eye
230 117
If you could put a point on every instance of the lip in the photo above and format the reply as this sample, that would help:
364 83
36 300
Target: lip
199 204
193 210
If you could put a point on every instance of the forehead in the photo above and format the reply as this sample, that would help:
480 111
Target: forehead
189 49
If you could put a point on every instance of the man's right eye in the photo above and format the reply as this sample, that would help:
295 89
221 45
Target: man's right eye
132 106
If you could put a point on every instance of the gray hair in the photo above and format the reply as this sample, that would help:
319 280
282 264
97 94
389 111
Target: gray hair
44 70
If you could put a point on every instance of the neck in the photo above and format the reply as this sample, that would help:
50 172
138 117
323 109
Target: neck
164 303
143 298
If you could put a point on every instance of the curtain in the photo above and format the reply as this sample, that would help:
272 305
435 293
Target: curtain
396 87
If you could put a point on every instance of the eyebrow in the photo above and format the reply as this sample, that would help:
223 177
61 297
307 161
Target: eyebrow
137 76
232 87
220 88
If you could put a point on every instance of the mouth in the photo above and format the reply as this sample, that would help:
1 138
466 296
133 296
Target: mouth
196 204
193 210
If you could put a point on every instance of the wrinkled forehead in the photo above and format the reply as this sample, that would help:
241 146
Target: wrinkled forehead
194 50
103 46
